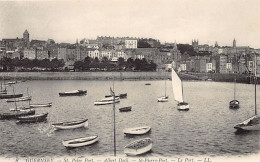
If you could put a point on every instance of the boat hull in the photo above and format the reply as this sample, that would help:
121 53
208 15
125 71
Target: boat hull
137 130
15 114
105 102
251 124
6 96
69 125
234 104
78 93
125 109
27 98
183 106
80 141
32 118
40 105
138 147
162 99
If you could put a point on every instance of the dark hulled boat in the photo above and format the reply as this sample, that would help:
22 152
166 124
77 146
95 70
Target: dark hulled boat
32 118
17 113
74 93
6 96
125 109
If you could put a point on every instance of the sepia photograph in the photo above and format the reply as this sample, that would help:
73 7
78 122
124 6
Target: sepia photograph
129 80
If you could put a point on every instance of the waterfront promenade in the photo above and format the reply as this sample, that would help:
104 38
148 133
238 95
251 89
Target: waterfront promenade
120 76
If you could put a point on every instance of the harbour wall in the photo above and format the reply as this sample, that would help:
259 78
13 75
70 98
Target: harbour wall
120 76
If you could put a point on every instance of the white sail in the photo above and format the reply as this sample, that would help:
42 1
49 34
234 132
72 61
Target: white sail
177 87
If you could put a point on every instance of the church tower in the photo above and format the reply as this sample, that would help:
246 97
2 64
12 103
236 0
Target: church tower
234 43
26 36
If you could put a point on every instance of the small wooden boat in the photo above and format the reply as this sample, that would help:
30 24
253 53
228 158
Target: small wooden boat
251 124
40 105
234 104
32 118
84 141
123 95
5 96
26 98
71 124
137 130
147 83
11 82
162 99
21 108
125 109
105 102
183 106
73 93
139 147
17 113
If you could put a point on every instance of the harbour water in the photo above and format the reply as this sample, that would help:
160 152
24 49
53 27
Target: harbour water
206 129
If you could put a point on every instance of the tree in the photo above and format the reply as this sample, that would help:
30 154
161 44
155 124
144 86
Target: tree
121 63
142 43
186 48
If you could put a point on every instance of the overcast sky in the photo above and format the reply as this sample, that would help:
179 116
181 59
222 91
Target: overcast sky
166 20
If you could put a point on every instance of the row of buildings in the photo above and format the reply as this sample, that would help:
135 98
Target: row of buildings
228 59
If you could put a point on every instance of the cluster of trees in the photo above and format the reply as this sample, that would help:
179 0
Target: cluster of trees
105 65
26 64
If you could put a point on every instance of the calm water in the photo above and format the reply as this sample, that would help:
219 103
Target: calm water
206 129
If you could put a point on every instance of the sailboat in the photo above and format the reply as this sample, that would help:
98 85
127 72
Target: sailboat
163 98
252 123
178 92
234 104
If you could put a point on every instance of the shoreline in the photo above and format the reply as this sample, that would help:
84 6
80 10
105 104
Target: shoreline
122 76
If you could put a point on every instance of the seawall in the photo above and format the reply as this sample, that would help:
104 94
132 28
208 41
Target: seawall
119 76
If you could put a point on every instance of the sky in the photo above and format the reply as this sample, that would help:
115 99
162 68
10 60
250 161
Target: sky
167 20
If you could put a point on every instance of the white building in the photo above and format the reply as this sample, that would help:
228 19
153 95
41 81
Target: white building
93 53
183 67
209 67
229 67
131 43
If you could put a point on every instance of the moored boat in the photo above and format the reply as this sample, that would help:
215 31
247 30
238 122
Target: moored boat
234 104
26 98
178 92
123 95
78 142
40 105
6 96
125 109
109 98
32 118
162 99
105 102
147 83
17 113
74 93
71 124
251 124
137 130
139 147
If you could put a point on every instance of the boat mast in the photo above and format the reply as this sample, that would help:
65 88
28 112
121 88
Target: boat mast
165 88
235 89
255 85
15 100
114 117
28 96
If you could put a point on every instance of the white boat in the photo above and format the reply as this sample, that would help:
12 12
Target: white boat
137 130
105 102
71 124
78 142
178 92
252 123
139 147
26 98
163 98
40 105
